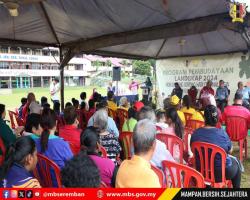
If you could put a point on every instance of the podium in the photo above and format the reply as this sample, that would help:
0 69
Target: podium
144 90
145 93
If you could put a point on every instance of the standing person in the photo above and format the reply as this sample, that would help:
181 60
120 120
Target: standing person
245 92
149 85
111 87
54 90
192 92
221 96
205 91
133 87
177 91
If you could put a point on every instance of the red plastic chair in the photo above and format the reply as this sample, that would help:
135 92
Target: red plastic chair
160 175
122 116
187 116
237 129
126 143
171 141
182 176
205 153
3 149
42 172
20 122
103 151
12 119
194 124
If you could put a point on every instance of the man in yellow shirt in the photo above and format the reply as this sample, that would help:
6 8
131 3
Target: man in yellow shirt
175 103
111 104
137 172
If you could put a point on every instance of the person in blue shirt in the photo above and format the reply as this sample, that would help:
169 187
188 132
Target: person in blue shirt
245 92
52 146
112 128
221 96
219 137
22 159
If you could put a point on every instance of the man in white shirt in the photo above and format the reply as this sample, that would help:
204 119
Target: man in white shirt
54 90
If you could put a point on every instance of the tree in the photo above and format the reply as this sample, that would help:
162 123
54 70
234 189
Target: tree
142 67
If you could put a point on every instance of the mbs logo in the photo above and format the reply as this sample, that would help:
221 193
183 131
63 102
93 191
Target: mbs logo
244 66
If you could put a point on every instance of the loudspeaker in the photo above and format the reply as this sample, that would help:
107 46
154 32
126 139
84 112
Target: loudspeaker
116 73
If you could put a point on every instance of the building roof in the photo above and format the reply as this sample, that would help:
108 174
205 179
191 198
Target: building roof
129 29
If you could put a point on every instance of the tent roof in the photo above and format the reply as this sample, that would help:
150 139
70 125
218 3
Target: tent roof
131 28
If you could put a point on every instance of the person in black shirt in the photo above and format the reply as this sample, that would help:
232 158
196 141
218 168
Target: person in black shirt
177 91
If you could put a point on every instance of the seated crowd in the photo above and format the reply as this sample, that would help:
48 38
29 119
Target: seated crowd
85 140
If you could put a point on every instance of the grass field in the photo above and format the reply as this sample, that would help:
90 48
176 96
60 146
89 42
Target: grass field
14 100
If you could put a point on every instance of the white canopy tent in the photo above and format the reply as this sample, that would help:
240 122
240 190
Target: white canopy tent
124 28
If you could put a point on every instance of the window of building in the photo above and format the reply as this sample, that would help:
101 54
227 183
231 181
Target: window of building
36 52
46 81
4 65
45 52
54 53
4 82
15 65
36 66
14 50
37 82
3 49
54 67
79 67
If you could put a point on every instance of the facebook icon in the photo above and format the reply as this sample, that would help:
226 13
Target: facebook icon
6 194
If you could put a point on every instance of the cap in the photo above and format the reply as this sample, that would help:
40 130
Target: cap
138 106
174 100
